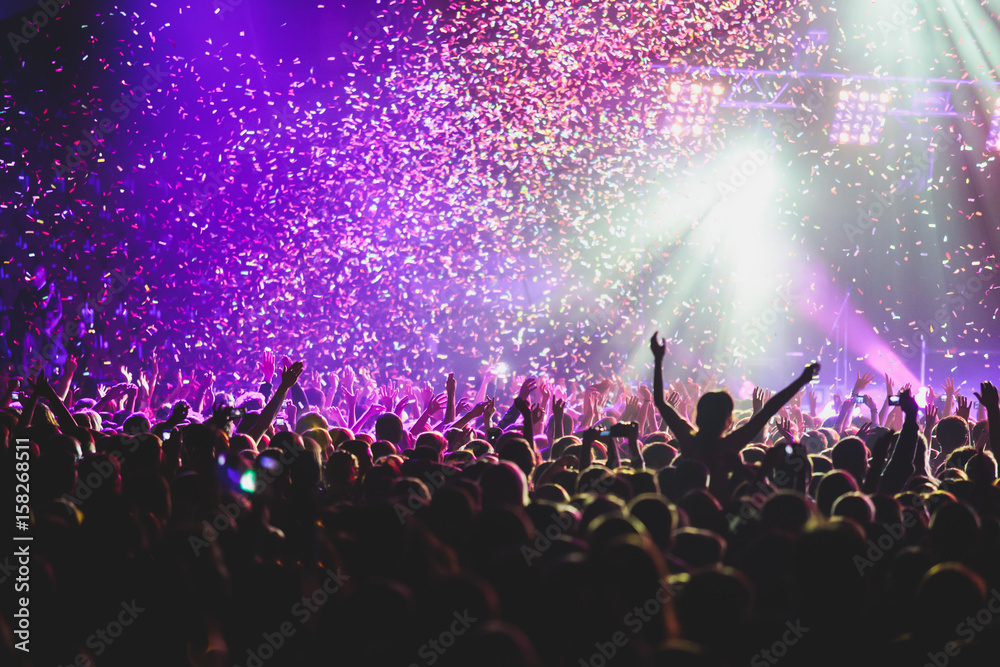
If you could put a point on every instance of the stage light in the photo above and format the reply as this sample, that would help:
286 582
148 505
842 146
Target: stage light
248 481
993 140
859 117
690 108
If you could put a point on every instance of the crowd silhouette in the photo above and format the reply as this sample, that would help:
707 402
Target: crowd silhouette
327 519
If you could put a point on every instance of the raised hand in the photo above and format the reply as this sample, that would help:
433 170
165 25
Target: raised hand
426 395
347 378
964 407
179 412
907 403
658 349
387 396
864 379
368 381
537 413
267 365
631 409
602 386
489 409
527 387
402 404
786 428
463 405
544 392
674 399
451 384
290 374
810 372
760 397
127 374
436 404
931 415
477 410
558 407
987 395
949 387
813 398
69 368
865 430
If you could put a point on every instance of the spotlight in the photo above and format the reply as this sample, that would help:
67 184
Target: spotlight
690 108
993 140
859 117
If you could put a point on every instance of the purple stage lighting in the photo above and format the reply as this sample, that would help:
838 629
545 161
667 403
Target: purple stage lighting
993 140
859 117
691 106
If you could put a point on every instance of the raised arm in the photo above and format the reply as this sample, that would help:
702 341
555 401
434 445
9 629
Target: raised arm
900 465
989 397
69 368
451 386
477 411
289 377
635 451
527 425
743 435
681 428
885 404
63 416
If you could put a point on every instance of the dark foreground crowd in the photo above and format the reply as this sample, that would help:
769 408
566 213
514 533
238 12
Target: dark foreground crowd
310 520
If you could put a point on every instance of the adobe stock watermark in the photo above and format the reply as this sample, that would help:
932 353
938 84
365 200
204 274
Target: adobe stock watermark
223 7
100 640
868 214
756 329
752 160
971 290
122 108
779 648
764 491
302 610
546 537
634 620
434 479
901 17
48 9
222 520
884 543
86 312
374 30
85 486
966 631
432 650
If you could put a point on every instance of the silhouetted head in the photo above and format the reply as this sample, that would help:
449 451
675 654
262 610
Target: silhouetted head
951 433
715 413
389 427
850 454
504 484
833 485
